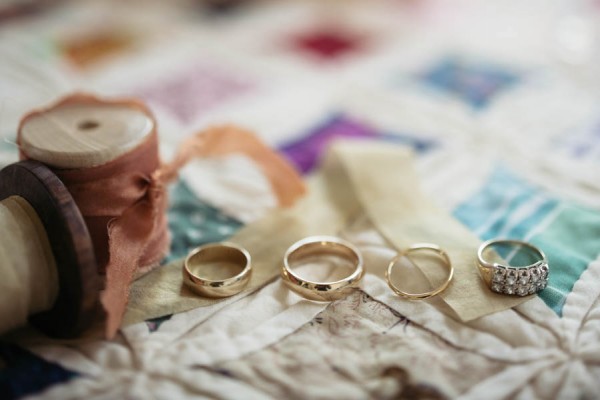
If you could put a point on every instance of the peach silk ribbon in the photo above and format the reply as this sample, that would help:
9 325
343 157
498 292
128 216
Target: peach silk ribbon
124 201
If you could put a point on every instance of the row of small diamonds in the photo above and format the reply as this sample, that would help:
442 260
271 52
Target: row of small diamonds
520 281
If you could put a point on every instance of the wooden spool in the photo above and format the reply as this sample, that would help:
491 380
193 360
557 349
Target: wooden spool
77 304
79 132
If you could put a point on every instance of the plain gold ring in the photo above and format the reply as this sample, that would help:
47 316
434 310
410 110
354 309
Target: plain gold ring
322 245
218 252
416 247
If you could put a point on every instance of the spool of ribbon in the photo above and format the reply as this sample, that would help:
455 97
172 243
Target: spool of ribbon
106 154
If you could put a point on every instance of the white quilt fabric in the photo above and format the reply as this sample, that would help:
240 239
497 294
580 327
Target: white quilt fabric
274 344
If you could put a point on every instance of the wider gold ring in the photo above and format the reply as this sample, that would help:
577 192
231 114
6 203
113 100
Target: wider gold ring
425 295
215 253
322 245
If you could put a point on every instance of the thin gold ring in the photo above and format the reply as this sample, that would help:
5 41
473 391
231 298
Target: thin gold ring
218 252
425 295
319 245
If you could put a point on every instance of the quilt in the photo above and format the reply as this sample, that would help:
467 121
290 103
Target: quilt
498 101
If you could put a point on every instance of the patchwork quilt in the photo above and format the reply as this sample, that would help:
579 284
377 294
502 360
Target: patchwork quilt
497 100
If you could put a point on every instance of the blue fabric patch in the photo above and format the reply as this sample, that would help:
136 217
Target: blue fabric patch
24 373
508 207
419 145
473 83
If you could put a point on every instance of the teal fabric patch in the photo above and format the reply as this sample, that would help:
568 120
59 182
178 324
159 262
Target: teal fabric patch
8 152
505 207
193 223
571 241
8 145
508 207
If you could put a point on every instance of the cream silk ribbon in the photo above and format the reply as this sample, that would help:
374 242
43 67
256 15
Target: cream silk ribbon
356 178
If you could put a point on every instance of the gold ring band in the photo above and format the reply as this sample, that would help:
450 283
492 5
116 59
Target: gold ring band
213 253
425 295
319 245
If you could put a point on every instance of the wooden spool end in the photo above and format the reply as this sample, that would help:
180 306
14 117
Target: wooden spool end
84 132
77 304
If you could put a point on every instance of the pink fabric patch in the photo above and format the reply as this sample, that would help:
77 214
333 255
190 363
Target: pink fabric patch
196 90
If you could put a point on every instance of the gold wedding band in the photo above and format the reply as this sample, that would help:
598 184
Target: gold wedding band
322 245
425 295
218 253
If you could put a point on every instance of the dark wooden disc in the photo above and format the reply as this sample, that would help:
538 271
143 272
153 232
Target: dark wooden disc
77 304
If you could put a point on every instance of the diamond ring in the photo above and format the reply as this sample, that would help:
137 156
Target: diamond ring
514 280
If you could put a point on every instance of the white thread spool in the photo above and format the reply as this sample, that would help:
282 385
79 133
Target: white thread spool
29 281
50 274
67 136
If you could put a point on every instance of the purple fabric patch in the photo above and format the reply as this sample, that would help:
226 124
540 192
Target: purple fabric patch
155 323
306 152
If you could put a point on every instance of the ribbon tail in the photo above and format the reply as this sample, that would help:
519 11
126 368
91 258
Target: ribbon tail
128 237
216 141
286 182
